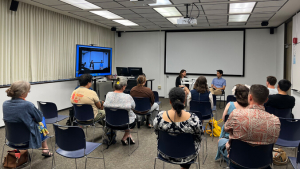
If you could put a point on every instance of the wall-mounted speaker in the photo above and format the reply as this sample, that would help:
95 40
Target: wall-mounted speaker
271 30
264 23
113 29
14 5
119 34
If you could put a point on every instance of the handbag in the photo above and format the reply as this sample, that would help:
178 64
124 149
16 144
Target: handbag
15 158
279 157
217 129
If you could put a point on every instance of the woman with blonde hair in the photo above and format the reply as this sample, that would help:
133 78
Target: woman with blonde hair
19 110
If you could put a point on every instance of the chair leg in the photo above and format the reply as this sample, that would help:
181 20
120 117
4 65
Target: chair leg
154 162
94 133
85 161
103 156
212 130
75 163
31 159
163 165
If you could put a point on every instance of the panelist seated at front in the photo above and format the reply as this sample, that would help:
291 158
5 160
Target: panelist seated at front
218 84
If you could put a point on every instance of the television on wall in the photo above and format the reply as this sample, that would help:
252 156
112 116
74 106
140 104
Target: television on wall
93 60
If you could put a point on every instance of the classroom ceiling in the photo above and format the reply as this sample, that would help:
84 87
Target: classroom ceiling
213 13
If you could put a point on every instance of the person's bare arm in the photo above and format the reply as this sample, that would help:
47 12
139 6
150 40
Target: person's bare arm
225 111
99 105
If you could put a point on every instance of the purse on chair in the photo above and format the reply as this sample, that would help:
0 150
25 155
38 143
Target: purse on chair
15 158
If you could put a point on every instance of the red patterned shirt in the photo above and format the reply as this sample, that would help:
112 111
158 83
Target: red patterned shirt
253 125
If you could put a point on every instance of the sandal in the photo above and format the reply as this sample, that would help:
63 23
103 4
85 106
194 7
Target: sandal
48 154
130 140
124 142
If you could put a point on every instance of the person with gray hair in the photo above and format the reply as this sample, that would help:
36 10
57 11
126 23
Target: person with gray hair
119 100
19 110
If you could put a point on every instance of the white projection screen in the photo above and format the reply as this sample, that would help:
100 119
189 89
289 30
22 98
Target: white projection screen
204 52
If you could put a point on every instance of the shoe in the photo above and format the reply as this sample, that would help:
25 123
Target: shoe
124 142
150 126
130 140
48 154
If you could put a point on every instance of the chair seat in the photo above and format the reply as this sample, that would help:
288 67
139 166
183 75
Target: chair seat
90 146
286 143
163 159
294 163
54 120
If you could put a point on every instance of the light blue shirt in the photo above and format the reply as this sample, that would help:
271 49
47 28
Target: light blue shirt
219 83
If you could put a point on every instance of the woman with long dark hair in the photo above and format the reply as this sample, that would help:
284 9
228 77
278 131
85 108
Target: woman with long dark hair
177 120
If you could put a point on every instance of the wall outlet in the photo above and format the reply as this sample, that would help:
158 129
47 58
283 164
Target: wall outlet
159 87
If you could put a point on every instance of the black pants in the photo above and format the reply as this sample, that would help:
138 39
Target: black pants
187 166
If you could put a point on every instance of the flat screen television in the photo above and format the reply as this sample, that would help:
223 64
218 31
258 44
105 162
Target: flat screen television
93 60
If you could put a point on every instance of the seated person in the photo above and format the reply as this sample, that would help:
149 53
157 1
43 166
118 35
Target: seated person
141 91
200 92
178 81
271 82
179 121
83 95
217 85
241 94
282 100
119 100
19 110
253 125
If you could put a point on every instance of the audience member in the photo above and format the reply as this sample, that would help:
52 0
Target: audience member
200 92
83 95
19 110
120 100
253 125
217 86
141 91
271 82
282 100
177 120
241 94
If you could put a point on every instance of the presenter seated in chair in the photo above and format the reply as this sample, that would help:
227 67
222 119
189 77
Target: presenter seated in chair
19 110
179 80
200 92
253 124
141 91
119 100
218 84
177 120
83 95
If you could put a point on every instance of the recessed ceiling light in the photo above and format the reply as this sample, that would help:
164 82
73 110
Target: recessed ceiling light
246 7
107 14
161 2
238 18
126 22
168 11
82 4
174 20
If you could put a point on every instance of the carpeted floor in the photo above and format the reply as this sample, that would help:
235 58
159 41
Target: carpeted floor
116 156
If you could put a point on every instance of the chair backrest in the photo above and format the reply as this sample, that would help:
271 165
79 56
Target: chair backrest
249 156
226 117
283 113
49 109
131 83
156 96
231 98
176 145
203 108
142 104
17 133
69 138
83 112
126 91
289 129
116 117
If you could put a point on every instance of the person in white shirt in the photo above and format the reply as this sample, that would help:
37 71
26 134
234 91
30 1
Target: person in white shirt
271 82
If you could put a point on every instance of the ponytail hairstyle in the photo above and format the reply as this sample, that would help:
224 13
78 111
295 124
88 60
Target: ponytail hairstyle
177 98
17 89
120 83
141 80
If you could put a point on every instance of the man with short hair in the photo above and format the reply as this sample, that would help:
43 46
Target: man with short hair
83 95
271 82
217 86
282 100
253 125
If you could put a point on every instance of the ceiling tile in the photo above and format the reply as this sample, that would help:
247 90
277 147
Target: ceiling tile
183 8
106 21
152 27
130 4
209 12
218 24
254 23
167 26
213 0
153 15
131 16
92 1
180 26
209 17
107 5
162 23
266 9
217 21
202 18
49 2
184 1
66 8
215 7
95 17
139 11
262 15
145 24
137 27
270 3
158 19
253 19
121 11
139 20
82 13
236 24
201 25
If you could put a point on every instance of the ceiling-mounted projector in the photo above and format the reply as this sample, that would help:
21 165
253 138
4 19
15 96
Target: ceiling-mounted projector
143 2
186 21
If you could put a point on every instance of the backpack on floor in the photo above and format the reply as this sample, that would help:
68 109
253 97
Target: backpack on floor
279 157
15 158
109 137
